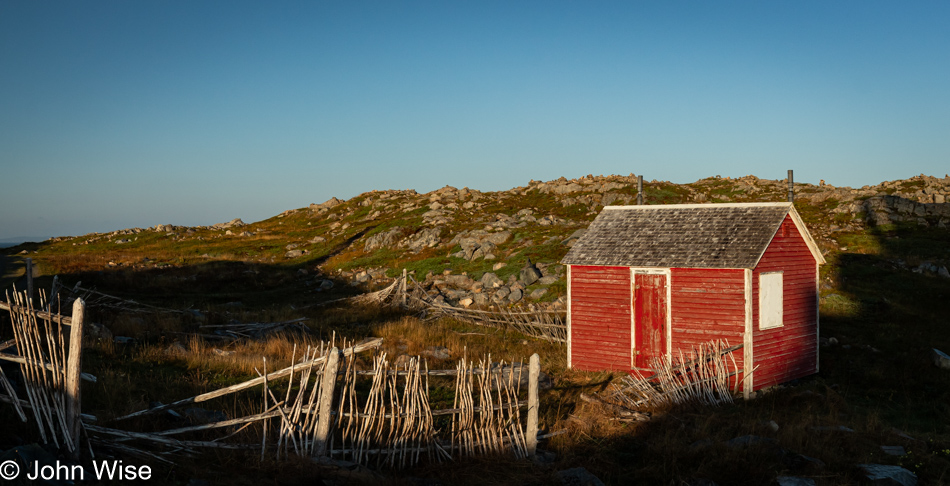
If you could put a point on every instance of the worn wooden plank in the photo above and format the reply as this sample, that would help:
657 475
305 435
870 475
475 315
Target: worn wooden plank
73 372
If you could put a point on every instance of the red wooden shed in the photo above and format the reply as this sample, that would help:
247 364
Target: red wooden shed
648 281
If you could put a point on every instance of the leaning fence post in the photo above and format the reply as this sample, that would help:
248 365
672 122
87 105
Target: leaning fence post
531 435
404 282
73 372
327 385
29 279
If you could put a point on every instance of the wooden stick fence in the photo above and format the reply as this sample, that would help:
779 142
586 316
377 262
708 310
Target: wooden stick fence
394 425
50 368
324 414
387 421
703 376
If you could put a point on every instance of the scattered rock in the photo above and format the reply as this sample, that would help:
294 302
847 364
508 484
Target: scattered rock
530 274
317 239
294 254
383 239
501 294
880 474
893 450
491 281
427 238
940 359
578 476
437 352
325 206
230 224
459 281
550 279
176 349
537 294
515 295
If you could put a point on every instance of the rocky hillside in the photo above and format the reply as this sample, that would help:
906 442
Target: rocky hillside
495 248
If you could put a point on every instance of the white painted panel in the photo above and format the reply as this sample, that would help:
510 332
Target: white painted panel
770 300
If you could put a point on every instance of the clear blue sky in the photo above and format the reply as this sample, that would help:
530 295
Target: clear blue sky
134 113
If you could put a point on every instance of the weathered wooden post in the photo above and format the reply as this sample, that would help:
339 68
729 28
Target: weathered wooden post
73 373
531 434
327 384
52 294
639 190
404 285
29 279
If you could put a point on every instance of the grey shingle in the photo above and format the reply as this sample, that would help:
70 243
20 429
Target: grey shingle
679 235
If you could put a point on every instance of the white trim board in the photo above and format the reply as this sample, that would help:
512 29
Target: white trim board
569 360
747 338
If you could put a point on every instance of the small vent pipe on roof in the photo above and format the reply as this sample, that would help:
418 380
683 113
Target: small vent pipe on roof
791 187
639 190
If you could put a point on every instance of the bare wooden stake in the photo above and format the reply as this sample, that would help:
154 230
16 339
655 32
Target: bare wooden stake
531 435
73 372
326 400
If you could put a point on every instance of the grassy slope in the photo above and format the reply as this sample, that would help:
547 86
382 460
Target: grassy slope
877 379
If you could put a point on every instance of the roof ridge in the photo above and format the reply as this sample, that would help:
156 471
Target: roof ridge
703 206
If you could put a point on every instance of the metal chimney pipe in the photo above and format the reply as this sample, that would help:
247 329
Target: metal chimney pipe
791 187
639 190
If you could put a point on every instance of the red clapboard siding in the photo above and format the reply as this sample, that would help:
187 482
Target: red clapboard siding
707 304
788 352
600 318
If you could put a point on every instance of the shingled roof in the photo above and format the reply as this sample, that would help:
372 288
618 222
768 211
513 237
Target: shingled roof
684 235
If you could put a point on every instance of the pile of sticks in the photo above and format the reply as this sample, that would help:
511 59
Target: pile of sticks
701 376
94 298
385 296
546 325
253 330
